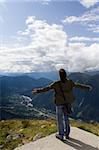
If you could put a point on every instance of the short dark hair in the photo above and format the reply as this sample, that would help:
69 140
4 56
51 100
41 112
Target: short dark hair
62 71
62 74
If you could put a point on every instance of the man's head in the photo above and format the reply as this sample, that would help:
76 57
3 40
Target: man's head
62 74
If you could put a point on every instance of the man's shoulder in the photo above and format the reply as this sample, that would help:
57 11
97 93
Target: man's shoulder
69 80
56 82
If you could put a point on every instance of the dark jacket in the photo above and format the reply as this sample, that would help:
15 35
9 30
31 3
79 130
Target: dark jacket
67 88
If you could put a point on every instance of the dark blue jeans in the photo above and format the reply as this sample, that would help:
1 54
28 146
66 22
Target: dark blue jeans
62 121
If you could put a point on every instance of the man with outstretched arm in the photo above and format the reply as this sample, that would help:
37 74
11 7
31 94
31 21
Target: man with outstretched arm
64 98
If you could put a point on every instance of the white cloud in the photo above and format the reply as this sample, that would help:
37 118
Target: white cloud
94 28
89 16
84 39
47 47
81 19
45 36
83 57
88 3
48 50
90 19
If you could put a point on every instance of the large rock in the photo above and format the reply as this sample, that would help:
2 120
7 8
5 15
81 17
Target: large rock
79 140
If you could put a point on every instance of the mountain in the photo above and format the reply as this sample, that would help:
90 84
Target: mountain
52 75
92 72
11 91
92 99
79 77
11 85
86 105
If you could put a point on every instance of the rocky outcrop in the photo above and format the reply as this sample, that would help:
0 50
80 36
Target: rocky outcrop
79 140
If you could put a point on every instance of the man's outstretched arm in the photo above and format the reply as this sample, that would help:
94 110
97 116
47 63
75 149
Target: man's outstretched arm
45 89
83 86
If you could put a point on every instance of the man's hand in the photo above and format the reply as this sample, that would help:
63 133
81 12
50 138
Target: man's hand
35 91
89 88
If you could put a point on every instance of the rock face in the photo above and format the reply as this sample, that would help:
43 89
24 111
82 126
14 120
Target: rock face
12 136
79 140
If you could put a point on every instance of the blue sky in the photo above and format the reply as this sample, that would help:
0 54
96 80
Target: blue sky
46 35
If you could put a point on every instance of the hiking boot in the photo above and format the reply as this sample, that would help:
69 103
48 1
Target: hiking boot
67 137
60 137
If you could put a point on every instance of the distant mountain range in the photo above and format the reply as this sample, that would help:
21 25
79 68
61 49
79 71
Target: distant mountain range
52 75
86 105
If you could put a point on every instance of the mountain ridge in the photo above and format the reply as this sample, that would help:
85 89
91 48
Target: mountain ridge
85 106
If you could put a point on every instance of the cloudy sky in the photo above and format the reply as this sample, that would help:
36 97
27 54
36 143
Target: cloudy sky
46 35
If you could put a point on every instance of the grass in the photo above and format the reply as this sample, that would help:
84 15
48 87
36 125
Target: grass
28 129
90 127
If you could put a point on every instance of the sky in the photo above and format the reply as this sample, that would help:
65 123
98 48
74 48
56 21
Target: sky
46 35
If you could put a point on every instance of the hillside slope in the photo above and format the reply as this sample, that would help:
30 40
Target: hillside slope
86 105
79 140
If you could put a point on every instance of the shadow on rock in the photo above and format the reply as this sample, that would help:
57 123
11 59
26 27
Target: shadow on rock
78 145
